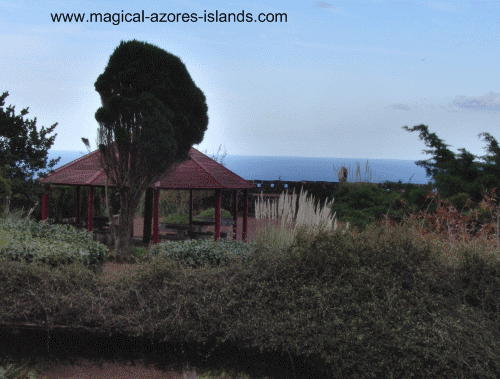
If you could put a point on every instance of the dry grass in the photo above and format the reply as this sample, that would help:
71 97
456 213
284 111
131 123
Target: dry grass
453 233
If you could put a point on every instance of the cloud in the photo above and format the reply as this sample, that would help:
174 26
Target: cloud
323 4
401 107
491 102
443 7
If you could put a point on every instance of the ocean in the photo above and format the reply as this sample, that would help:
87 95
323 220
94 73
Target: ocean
305 169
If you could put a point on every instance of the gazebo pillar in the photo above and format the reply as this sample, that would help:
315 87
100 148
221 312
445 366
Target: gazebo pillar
156 200
148 215
45 206
77 206
218 197
245 216
190 207
235 214
90 206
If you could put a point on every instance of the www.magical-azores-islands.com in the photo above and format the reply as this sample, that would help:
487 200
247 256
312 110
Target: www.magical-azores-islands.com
120 17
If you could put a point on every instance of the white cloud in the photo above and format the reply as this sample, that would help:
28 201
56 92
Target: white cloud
491 101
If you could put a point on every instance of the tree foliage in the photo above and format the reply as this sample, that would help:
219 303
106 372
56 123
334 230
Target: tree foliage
463 172
24 149
152 113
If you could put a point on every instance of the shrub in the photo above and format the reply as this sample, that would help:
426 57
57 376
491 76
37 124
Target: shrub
42 242
138 252
378 304
195 253
210 213
177 218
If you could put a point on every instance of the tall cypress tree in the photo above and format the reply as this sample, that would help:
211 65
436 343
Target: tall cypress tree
152 113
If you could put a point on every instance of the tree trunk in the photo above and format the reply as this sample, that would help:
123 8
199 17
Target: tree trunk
128 205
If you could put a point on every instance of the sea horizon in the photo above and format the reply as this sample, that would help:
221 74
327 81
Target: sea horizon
289 168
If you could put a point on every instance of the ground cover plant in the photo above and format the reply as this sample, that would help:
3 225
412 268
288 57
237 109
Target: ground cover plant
197 253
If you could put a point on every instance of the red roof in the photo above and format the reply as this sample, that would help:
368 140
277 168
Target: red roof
199 172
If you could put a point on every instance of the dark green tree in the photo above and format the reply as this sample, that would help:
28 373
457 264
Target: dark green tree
152 113
456 174
5 190
24 149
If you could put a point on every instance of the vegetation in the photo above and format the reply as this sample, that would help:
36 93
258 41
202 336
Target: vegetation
462 173
23 156
284 218
152 114
197 253
391 301
177 218
17 371
183 218
210 213
362 204
54 245
5 190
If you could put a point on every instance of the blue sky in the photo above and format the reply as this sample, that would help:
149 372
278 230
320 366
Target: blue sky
338 79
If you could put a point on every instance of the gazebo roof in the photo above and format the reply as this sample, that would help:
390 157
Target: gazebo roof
199 172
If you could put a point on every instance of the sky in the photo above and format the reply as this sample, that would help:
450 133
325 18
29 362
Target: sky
337 79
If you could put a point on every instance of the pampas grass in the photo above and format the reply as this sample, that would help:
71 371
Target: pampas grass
282 219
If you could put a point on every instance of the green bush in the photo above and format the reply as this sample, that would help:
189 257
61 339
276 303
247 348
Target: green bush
177 218
42 242
459 200
138 252
362 204
210 213
195 253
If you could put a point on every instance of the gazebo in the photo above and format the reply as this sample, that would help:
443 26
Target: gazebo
199 172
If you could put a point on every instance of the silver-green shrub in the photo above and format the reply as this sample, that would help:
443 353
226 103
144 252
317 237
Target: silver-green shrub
195 253
42 242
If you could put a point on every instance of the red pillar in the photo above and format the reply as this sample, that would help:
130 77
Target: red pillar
245 216
218 197
77 201
190 207
90 206
156 200
235 214
45 206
